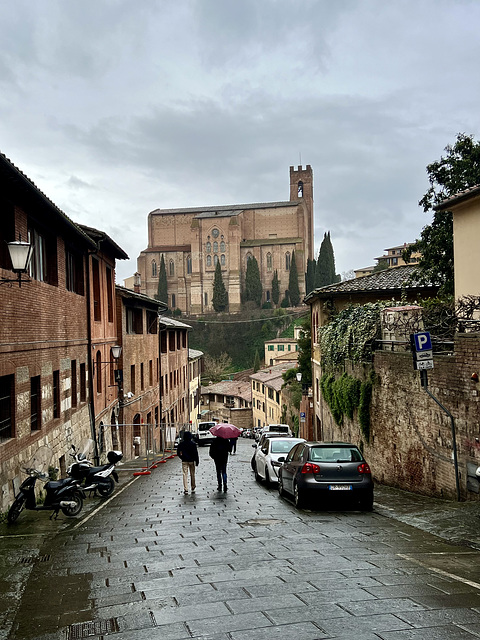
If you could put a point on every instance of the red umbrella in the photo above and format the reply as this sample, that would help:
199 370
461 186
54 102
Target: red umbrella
225 430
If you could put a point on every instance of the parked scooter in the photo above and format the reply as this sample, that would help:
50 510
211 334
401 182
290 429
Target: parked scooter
92 478
64 494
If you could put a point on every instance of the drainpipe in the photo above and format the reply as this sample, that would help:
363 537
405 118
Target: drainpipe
91 404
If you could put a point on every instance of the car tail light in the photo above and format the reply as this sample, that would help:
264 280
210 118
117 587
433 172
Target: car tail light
363 468
309 467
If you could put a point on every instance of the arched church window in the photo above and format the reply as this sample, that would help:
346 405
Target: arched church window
269 261
209 261
154 269
222 246
215 247
222 260
208 247
248 257
171 268
189 264
300 189
215 259
288 259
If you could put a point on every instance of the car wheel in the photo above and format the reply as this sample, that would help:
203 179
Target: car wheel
298 496
366 503
16 508
106 489
252 463
74 509
258 478
281 490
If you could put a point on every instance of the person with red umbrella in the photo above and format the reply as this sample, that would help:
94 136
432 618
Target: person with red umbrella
220 448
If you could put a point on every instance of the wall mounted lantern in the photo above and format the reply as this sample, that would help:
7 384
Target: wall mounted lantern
20 255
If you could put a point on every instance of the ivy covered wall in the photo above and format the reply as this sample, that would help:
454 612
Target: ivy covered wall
408 443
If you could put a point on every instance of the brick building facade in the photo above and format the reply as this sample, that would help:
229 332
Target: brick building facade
193 240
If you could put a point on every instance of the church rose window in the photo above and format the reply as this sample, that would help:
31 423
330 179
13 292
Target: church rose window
215 233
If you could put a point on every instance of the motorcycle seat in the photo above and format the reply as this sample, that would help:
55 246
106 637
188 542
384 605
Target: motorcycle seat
57 484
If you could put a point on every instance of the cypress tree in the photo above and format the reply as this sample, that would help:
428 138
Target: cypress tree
256 362
162 292
325 269
253 284
310 275
220 295
275 288
293 288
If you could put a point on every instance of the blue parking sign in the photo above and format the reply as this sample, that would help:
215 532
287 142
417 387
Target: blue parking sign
422 341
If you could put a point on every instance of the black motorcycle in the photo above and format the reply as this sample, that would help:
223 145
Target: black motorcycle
92 478
65 495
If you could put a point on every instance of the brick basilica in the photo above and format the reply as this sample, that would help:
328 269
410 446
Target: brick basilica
193 240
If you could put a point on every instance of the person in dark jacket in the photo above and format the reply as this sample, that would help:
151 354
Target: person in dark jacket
188 453
219 450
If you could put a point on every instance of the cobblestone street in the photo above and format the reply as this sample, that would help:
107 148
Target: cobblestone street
234 566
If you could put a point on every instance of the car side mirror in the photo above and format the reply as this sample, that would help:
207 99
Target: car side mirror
281 459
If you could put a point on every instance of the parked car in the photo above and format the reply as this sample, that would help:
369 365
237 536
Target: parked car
322 471
283 429
266 457
263 438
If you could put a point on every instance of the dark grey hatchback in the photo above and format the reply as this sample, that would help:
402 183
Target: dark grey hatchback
326 471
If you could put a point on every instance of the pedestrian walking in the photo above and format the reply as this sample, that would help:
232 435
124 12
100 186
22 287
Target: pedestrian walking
219 450
188 453
233 446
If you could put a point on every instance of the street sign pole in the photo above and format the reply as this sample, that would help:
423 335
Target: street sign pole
421 346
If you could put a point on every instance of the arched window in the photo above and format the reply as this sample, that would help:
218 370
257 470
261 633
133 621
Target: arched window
248 257
215 247
269 261
222 246
222 260
189 264
288 259
154 269
171 268
209 261
215 259
208 247
300 189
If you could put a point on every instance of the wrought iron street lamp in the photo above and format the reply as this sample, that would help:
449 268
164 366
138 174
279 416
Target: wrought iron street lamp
20 255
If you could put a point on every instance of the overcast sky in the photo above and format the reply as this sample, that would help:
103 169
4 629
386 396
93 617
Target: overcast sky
115 108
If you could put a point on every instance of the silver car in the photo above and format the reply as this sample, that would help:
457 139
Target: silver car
265 460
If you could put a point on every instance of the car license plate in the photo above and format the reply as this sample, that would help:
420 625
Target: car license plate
340 487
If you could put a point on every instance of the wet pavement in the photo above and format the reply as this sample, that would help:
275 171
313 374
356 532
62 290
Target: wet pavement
246 564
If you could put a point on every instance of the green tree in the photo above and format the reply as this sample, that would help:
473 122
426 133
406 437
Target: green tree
162 291
293 289
381 265
310 275
253 284
325 267
220 295
454 172
275 288
305 352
